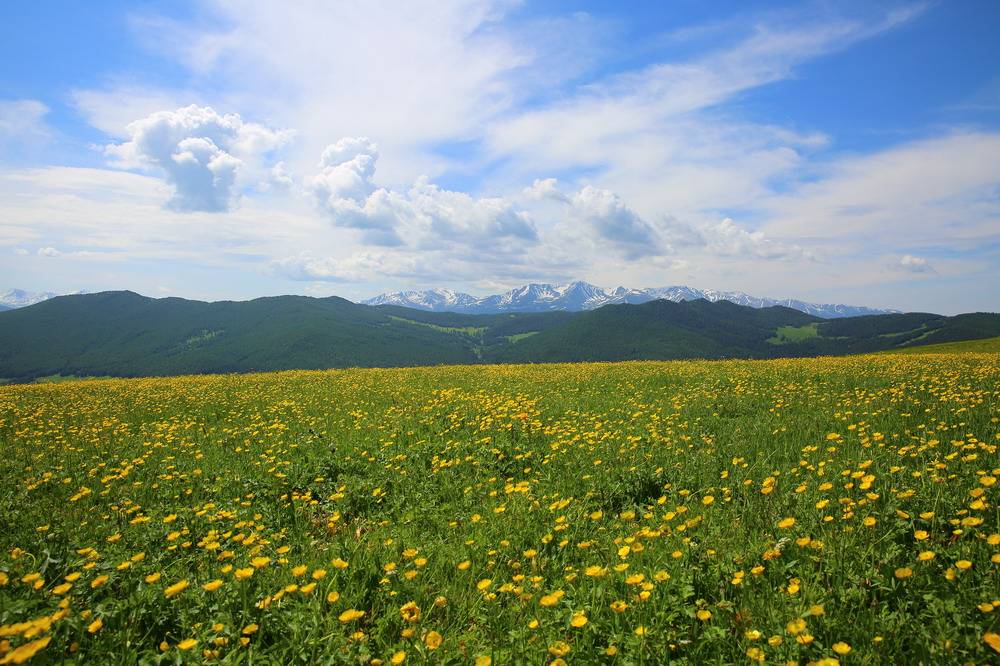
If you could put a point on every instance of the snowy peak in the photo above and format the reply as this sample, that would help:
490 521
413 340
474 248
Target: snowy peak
577 296
19 298
435 300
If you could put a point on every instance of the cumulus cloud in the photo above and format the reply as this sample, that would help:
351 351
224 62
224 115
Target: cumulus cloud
911 264
345 191
48 252
612 222
545 188
726 238
476 221
203 154
607 215
21 252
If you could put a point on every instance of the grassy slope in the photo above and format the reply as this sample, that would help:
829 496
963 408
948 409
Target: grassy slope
983 346
658 330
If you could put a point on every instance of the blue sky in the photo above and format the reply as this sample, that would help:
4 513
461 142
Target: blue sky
828 151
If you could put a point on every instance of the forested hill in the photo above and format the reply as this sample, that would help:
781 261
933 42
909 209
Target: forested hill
124 334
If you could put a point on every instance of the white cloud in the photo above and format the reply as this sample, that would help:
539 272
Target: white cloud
935 192
612 221
545 188
203 154
466 220
911 264
113 108
346 192
613 224
21 252
22 122
49 252
728 239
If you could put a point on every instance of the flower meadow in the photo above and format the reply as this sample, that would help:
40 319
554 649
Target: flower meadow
815 511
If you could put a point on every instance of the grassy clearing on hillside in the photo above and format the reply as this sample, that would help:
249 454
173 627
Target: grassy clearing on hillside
984 346
788 334
704 512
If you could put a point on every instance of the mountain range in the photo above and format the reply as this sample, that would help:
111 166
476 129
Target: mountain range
19 298
121 333
578 296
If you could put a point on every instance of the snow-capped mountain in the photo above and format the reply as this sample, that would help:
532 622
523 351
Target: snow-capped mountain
577 296
19 298
436 300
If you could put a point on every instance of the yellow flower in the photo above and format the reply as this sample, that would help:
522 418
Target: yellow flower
903 572
993 640
704 615
300 570
551 599
243 574
640 631
332 597
926 555
559 649
187 644
410 611
484 584
175 589
212 586
707 499
578 620
433 640
339 563
785 523
23 653
350 615
260 562
398 658
618 606
484 660
796 626
95 626
250 629
100 580
319 574
462 566
841 648
963 565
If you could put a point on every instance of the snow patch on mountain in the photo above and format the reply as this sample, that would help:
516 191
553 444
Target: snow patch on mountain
19 298
577 296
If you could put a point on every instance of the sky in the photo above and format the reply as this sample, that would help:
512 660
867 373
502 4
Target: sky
844 152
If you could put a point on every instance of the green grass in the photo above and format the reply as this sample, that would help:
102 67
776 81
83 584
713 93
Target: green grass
59 379
465 330
984 346
521 336
627 513
790 334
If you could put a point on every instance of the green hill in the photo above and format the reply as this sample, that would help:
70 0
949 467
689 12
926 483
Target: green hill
125 334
